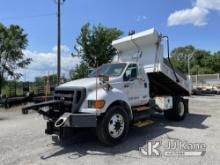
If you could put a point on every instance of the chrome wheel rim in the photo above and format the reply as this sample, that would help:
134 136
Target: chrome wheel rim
116 125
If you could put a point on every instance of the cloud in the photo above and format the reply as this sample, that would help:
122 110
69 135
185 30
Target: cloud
197 15
209 4
64 49
44 62
141 18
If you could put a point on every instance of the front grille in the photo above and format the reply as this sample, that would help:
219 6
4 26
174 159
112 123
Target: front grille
72 98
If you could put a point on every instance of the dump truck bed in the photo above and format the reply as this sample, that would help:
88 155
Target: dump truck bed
164 82
147 49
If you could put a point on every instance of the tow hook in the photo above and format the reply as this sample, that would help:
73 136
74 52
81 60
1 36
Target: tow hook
62 120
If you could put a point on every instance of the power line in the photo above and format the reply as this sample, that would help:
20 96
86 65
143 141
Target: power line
30 16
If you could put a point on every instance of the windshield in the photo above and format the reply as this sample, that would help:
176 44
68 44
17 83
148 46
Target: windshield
111 70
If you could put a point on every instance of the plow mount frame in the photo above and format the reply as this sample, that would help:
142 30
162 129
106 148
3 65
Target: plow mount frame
45 108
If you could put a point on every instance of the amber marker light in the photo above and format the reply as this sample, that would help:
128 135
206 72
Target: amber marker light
98 104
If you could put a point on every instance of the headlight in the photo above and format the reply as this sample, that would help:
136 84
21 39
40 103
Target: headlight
98 104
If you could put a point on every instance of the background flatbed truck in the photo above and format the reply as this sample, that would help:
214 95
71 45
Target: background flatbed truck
137 83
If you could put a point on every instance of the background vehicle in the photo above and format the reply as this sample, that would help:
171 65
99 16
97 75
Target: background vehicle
139 82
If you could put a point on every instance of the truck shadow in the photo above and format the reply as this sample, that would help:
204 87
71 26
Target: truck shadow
3 118
191 121
86 142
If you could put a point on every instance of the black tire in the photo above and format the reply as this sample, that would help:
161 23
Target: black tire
102 129
177 113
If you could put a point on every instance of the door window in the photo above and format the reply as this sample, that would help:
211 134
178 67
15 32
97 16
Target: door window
130 73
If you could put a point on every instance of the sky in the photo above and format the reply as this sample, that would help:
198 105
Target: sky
195 22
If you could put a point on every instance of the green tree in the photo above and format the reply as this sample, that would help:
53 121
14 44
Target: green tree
80 71
12 41
43 79
94 44
196 69
216 62
201 58
179 57
202 62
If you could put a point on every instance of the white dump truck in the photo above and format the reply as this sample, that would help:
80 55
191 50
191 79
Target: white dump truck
138 82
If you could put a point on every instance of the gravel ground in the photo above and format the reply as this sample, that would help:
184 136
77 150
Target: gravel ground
22 139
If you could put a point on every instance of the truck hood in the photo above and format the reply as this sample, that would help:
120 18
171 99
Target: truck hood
88 83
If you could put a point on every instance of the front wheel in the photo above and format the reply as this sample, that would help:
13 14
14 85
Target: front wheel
113 127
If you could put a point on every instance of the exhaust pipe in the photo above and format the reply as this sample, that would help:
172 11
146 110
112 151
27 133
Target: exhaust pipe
62 120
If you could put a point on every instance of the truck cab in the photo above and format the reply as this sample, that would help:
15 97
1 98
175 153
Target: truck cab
129 78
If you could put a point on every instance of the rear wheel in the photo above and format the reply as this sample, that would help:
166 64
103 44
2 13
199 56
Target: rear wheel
113 127
178 112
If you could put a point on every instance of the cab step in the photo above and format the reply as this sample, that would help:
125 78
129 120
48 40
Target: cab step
141 108
143 123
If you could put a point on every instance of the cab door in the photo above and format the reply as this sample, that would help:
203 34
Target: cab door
134 87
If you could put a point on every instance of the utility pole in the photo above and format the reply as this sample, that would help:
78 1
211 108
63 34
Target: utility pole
59 3
189 73
189 65
1 69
